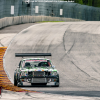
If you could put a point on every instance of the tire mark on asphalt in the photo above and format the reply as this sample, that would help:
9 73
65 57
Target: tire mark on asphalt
67 52
80 69
64 40
95 70
40 42
73 62
64 36
71 47
50 45
3 38
64 43
85 72
1 43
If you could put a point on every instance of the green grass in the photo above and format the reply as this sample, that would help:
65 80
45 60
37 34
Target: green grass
49 21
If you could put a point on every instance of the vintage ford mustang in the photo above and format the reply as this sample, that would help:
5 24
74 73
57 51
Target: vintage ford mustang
37 71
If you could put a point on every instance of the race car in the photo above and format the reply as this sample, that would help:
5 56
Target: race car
37 71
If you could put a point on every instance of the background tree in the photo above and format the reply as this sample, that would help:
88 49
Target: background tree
95 3
90 2
79 1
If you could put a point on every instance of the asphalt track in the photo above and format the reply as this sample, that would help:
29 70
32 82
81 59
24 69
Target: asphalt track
75 48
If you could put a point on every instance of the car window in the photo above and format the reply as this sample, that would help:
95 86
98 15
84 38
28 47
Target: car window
36 63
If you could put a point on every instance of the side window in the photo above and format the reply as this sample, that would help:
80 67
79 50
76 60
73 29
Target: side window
19 64
22 63
49 62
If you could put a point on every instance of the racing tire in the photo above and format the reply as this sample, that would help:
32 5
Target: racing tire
18 80
19 84
15 81
57 83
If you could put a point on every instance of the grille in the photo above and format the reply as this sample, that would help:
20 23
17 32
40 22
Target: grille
47 73
38 73
30 73
39 80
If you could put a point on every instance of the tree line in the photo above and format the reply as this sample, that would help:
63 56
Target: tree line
95 3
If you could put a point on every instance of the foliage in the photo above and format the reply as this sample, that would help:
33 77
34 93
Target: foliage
95 3
79 1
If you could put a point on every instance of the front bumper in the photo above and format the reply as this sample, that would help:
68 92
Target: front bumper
46 79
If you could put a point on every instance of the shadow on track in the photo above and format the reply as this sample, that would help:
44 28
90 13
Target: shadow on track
70 93
27 86
76 93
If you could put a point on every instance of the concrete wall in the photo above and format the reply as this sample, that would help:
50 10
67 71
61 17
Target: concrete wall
7 21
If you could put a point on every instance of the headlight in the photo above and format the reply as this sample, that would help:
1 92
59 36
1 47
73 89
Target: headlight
24 73
54 73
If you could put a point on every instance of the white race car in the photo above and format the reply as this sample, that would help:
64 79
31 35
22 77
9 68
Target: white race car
37 71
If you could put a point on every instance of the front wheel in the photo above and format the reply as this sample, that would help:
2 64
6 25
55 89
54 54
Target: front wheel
15 81
57 84
19 83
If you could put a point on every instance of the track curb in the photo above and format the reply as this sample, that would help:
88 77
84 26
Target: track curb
5 83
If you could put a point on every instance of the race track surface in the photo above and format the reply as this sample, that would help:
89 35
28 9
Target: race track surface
75 48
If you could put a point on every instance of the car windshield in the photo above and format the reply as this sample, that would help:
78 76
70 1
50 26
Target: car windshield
36 63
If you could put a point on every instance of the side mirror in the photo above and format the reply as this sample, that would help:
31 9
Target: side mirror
17 66
53 66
